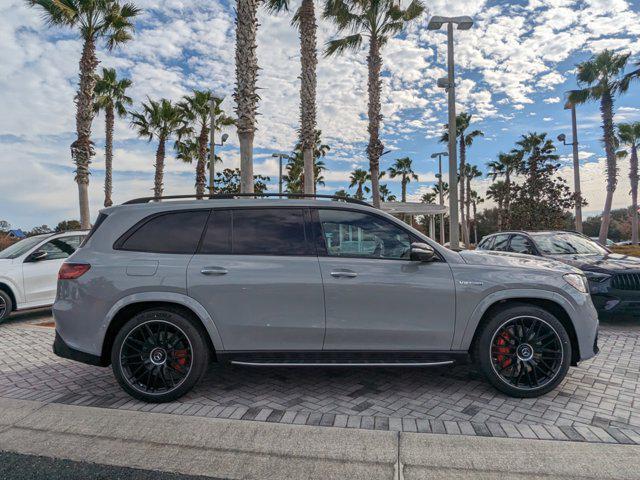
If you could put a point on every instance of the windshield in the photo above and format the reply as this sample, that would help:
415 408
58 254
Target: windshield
20 248
566 244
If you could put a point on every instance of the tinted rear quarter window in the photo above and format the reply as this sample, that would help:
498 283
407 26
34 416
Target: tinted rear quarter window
175 232
259 231
501 243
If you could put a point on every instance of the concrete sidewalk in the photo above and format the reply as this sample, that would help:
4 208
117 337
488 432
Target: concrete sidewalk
255 450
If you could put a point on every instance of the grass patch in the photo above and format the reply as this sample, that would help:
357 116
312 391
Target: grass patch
633 250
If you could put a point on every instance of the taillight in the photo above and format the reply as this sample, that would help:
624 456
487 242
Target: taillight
71 271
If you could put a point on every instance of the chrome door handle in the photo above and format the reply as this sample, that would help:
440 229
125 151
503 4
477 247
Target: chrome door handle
214 271
344 274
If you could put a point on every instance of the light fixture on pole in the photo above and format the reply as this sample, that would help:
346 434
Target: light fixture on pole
440 194
448 83
576 163
280 156
215 101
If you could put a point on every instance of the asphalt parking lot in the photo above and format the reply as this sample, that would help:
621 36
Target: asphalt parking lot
598 402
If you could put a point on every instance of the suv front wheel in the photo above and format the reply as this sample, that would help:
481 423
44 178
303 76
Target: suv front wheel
159 355
524 351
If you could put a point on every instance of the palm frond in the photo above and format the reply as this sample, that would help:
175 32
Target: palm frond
339 46
275 6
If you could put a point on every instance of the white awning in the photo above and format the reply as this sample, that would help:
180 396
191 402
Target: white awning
412 208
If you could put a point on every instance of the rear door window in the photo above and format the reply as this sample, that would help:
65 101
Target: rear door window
175 232
260 231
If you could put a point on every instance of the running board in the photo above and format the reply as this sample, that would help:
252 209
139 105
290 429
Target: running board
349 358
348 364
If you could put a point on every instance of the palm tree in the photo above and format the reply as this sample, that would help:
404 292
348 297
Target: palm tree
463 120
295 177
600 79
629 134
159 120
386 195
110 96
305 20
105 19
377 20
475 201
498 191
402 168
359 177
245 93
195 110
506 165
471 172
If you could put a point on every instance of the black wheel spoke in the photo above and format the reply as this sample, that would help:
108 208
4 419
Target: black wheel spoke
156 357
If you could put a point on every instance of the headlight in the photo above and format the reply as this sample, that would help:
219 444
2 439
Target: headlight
597 276
579 282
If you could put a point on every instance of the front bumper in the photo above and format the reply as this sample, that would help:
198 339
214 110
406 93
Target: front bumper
617 303
61 349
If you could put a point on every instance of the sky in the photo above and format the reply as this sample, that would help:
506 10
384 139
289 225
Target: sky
512 71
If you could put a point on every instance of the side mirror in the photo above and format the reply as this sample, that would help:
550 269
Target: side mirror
422 252
37 256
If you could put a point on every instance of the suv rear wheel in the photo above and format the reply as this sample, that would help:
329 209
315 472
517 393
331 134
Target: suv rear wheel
524 351
159 355
6 305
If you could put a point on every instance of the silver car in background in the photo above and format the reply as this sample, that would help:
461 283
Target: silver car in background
162 288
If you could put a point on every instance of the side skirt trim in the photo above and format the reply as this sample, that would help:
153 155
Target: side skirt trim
370 364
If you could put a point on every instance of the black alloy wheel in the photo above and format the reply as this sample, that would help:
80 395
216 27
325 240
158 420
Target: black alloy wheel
524 351
159 355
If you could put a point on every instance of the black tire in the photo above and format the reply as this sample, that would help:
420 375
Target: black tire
524 351
159 355
6 305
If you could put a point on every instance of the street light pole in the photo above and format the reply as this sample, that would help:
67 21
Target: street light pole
454 229
576 164
280 156
463 23
440 193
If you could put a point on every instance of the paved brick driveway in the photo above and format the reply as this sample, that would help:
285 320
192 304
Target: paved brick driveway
598 402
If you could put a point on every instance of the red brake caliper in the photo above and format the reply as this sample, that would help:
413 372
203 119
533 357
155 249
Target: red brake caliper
180 359
502 359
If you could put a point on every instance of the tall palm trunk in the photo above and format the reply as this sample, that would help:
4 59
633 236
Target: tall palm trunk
82 149
633 176
475 224
375 147
507 200
606 109
405 217
309 63
463 162
159 175
468 206
245 93
201 177
108 156
500 220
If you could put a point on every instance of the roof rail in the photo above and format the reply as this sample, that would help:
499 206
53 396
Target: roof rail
227 196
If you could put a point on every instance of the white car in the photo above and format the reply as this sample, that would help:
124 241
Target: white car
29 270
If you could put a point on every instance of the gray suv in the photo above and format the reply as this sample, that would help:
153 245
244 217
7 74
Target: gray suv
160 289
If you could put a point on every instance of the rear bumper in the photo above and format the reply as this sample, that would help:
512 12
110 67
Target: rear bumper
61 349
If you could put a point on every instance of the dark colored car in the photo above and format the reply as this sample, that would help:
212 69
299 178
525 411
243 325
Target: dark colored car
614 280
